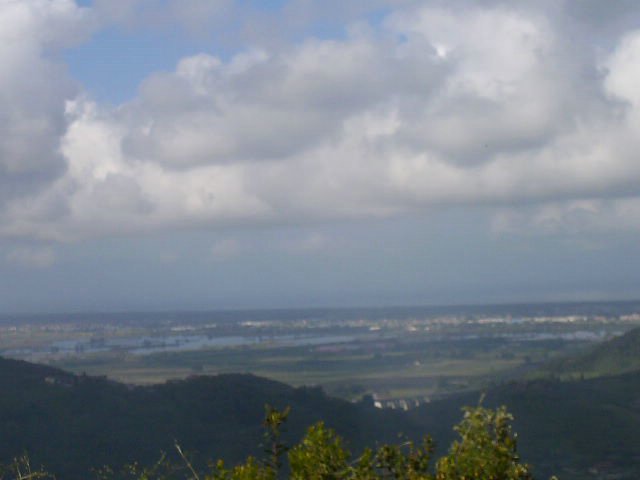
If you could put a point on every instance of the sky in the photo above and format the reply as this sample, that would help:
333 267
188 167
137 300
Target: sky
215 154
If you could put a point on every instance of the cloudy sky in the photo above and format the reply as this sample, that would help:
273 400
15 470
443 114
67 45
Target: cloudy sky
193 154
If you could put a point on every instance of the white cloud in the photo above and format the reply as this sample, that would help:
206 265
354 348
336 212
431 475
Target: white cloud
33 90
436 107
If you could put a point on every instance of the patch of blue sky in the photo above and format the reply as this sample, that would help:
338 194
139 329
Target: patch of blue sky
326 27
265 5
377 17
113 63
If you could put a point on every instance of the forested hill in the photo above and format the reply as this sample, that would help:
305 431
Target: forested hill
73 423
577 429
616 356
580 429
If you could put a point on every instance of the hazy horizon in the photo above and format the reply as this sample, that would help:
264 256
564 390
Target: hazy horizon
501 308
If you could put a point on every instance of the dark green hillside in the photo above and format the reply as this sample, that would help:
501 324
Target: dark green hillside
616 356
577 429
569 428
72 423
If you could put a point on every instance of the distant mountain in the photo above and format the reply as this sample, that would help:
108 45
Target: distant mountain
613 357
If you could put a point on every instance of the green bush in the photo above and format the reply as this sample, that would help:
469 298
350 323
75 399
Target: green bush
20 469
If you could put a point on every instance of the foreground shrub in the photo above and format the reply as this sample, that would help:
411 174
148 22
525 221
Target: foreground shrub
20 469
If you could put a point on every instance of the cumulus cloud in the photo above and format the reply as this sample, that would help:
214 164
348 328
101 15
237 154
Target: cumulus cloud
490 105
34 86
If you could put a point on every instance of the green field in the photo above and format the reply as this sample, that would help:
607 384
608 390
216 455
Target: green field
413 367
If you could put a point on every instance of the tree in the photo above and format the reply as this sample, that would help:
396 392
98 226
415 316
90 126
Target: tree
486 449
